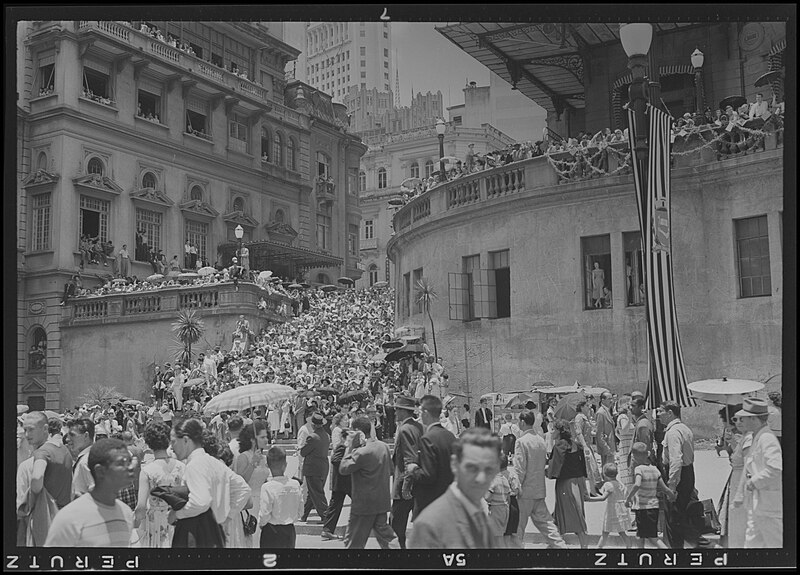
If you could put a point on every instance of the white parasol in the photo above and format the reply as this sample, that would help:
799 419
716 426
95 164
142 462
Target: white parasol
155 277
246 396
724 391
206 271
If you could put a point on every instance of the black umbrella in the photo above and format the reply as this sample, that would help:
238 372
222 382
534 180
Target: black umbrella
406 350
326 391
733 101
765 79
346 280
390 345
356 395
397 202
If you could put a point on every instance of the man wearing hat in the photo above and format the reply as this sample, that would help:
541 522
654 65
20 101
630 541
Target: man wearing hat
315 466
761 482
405 459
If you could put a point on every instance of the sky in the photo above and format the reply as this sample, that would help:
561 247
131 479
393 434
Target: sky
429 61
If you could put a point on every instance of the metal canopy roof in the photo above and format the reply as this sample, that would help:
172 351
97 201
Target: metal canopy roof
545 61
277 252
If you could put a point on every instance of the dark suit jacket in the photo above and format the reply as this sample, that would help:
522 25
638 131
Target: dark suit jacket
406 450
479 418
435 476
605 439
339 482
446 524
315 453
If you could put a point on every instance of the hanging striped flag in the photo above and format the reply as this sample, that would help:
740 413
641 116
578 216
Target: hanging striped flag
667 375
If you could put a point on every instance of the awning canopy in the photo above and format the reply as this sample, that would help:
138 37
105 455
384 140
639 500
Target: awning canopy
545 61
267 254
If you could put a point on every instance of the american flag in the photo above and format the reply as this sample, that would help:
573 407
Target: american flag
667 375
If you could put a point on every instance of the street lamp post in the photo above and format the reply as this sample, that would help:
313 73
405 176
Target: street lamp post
697 63
239 231
636 39
440 130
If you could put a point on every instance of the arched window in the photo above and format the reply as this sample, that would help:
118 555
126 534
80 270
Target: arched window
373 275
323 165
280 217
290 155
37 351
362 181
277 149
238 205
96 166
149 180
41 162
428 168
415 170
382 178
196 193
265 141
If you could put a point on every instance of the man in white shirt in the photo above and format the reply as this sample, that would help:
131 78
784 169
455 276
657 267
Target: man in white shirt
80 439
98 518
281 504
199 522
759 108
187 258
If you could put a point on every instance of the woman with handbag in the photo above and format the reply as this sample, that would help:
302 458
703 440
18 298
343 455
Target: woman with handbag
150 515
568 468
251 465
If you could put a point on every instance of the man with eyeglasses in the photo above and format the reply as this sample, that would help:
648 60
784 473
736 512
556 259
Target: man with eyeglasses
98 518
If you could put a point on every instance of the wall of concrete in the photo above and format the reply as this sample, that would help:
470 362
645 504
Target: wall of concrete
549 335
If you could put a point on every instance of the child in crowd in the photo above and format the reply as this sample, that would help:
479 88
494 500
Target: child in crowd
617 518
281 504
643 497
498 498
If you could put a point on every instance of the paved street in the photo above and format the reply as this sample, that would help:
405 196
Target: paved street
711 472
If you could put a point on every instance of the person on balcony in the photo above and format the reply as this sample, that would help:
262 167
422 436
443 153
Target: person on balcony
174 265
98 251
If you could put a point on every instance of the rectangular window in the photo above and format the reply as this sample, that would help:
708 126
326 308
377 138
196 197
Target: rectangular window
323 232
197 234
407 294
499 263
94 218
45 76
363 63
596 252
386 75
216 59
352 239
149 224
386 86
386 35
752 256
415 289
458 287
369 229
323 165
238 127
470 265
386 52
96 84
362 33
40 204
634 269
197 117
198 50
363 74
352 181
385 64
363 50
149 106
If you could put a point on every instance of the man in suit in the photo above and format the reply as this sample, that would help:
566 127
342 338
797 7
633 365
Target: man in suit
340 488
762 486
456 519
643 428
483 417
315 466
405 459
530 460
605 438
368 464
433 476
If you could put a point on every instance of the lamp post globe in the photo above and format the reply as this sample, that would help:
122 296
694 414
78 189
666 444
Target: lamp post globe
441 127
697 59
239 232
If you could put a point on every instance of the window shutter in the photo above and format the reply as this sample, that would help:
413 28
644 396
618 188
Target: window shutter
485 293
197 105
47 58
97 66
458 291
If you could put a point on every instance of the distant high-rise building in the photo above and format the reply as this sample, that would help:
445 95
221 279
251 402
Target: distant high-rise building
373 111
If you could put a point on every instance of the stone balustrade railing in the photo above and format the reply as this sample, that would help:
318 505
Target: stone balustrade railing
218 298
146 43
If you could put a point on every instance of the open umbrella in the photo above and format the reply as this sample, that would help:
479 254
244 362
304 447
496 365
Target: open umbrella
522 398
119 281
132 402
380 284
410 182
187 276
734 101
448 160
724 391
155 277
355 395
326 391
206 271
397 202
305 285
539 384
329 288
378 357
593 391
406 350
765 79
22 409
246 396
346 280
562 390
295 286
567 406
390 345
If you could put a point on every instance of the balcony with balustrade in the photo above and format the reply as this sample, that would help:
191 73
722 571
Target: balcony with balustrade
147 306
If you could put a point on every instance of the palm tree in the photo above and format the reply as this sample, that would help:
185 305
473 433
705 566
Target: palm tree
102 395
426 295
188 330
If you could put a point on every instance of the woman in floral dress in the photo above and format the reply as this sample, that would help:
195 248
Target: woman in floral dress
583 430
164 471
625 429
252 466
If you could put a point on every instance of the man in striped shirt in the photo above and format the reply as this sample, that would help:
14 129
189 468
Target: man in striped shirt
98 518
